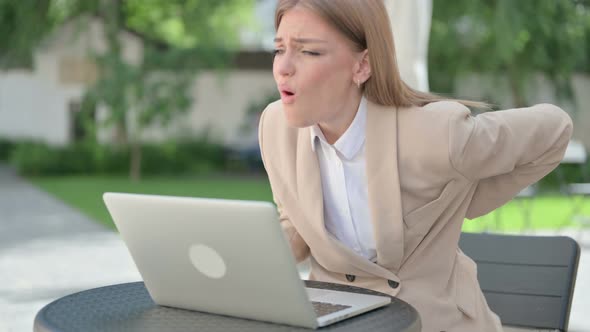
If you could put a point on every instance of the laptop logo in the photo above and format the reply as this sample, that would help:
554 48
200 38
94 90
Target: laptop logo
207 261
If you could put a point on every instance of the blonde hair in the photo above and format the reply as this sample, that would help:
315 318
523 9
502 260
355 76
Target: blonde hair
366 24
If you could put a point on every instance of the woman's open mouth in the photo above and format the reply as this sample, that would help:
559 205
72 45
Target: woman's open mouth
287 96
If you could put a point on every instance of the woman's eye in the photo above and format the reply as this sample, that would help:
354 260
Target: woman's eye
277 52
311 53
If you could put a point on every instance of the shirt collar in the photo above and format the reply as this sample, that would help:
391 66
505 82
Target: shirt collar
350 143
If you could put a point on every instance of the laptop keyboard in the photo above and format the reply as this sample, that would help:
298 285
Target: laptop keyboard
323 308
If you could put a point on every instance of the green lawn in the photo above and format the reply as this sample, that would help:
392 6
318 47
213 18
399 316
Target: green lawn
85 194
546 212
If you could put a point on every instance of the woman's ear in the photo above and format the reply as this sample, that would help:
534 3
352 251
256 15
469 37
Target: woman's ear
363 67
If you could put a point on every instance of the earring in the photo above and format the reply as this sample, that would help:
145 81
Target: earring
358 83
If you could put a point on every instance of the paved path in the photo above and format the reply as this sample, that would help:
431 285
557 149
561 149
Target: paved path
48 250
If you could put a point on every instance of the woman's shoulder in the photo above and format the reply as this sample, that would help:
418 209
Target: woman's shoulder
423 136
432 118
273 118
273 112
442 108
456 110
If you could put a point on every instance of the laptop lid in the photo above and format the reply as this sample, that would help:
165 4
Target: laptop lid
220 256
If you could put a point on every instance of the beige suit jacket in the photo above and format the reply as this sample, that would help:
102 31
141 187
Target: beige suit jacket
427 169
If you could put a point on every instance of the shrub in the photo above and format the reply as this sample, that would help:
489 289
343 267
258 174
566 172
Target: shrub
34 158
168 158
6 148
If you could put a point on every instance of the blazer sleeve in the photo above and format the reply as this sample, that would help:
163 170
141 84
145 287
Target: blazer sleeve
505 151
299 248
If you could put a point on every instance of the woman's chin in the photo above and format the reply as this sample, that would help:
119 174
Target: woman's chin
296 121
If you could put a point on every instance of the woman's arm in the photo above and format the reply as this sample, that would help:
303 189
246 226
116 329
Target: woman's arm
505 151
299 248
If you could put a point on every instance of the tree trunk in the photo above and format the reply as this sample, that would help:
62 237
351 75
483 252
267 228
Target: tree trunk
516 88
120 134
135 166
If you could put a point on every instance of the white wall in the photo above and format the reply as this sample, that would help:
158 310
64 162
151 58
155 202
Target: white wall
223 102
220 103
31 107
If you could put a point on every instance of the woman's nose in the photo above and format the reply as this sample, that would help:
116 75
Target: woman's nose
284 65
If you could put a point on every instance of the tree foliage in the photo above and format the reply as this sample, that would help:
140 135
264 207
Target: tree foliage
510 38
22 26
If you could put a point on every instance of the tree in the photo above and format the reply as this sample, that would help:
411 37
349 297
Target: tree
514 39
179 39
22 26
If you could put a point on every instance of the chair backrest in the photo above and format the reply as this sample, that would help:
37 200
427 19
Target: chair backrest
527 280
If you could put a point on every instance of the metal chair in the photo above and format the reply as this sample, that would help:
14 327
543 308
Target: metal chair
528 281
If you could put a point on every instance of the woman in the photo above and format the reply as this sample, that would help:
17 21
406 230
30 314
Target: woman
372 179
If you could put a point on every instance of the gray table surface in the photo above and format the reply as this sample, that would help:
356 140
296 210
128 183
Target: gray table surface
129 307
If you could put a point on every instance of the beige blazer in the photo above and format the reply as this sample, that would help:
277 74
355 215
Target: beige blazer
427 169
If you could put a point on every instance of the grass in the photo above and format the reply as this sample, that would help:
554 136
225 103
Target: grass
85 194
546 213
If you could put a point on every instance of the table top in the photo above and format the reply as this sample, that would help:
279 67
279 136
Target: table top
129 307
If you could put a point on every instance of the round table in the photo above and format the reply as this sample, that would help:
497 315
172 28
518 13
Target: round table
129 307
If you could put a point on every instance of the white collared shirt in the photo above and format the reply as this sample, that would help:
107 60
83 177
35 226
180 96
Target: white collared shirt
344 184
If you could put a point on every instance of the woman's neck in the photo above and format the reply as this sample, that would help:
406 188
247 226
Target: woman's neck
337 126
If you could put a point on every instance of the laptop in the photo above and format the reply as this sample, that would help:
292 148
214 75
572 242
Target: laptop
225 257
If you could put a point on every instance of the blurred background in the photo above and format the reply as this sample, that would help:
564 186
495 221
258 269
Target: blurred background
163 97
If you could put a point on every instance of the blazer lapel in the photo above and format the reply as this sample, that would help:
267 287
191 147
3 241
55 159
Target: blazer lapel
309 183
327 250
383 184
